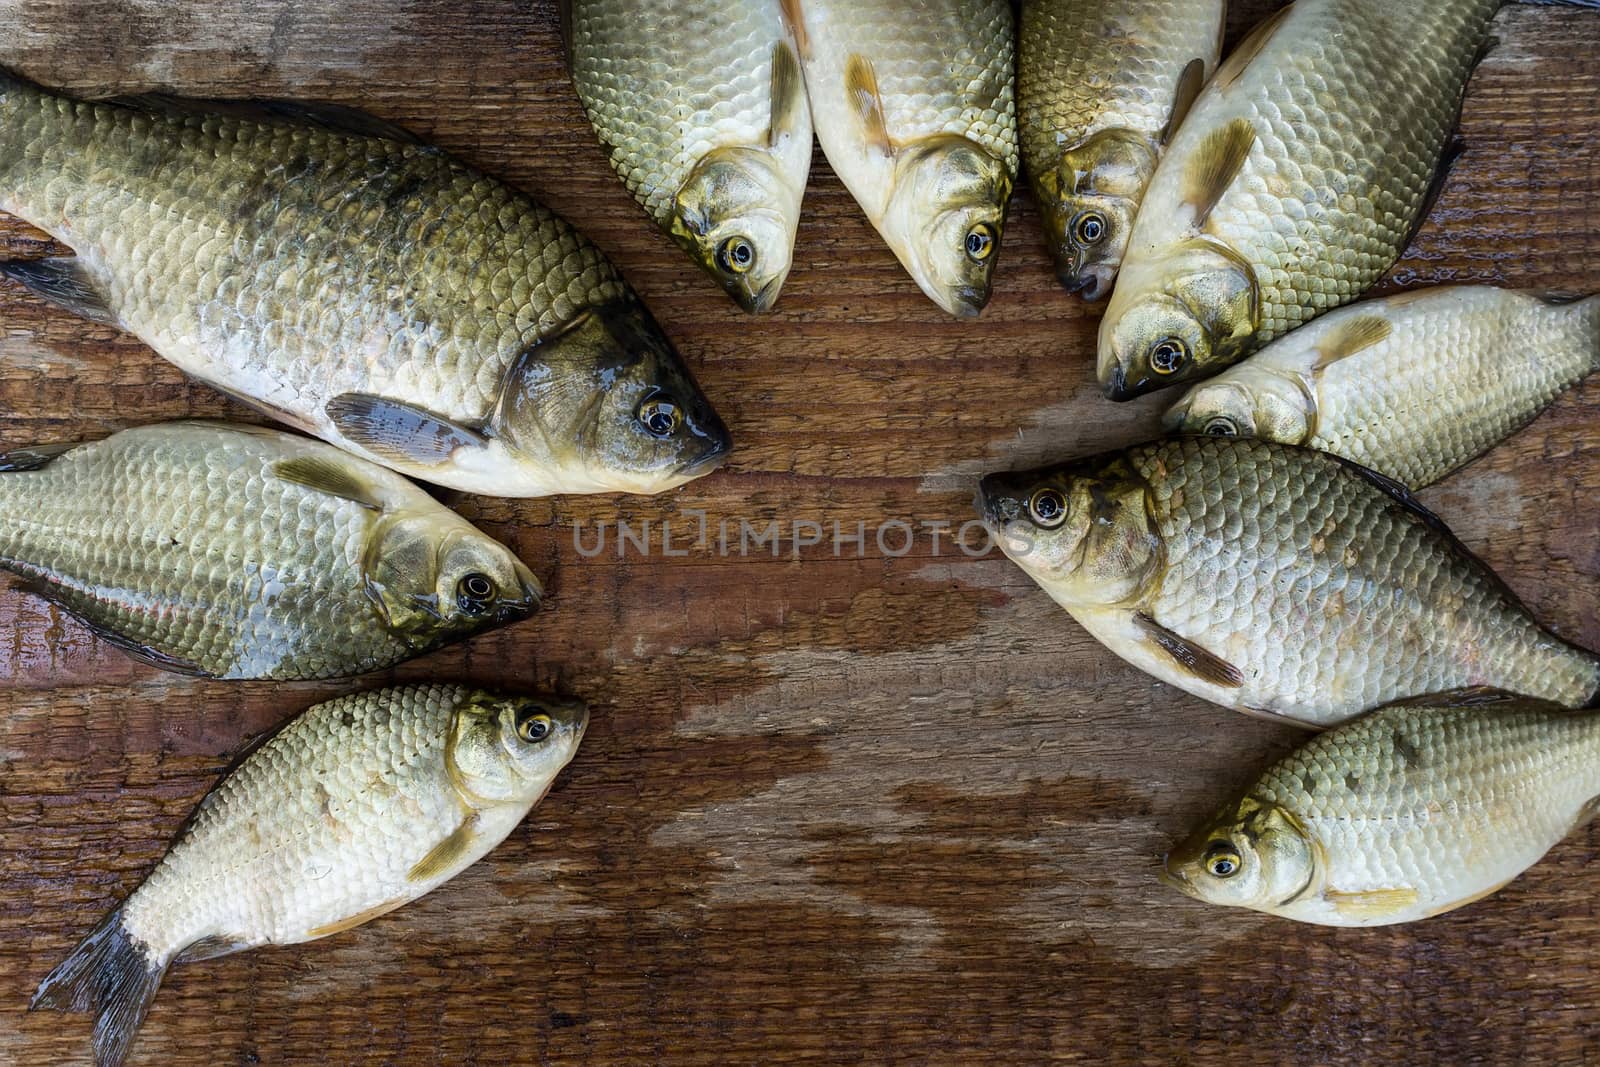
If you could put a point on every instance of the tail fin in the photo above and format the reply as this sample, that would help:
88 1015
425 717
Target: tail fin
110 975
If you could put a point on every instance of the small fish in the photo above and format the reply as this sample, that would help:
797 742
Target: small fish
1274 580
703 109
913 107
1403 814
244 552
1101 88
1414 385
356 807
338 275
1295 182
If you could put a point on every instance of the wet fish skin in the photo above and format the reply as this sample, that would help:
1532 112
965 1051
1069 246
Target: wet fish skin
1273 580
356 807
1414 386
1100 89
245 552
915 112
1296 181
359 286
702 107
1405 813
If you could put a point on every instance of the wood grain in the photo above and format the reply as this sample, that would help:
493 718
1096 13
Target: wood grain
867 808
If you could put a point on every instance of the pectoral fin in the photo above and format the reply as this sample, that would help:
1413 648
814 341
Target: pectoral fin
447 853
1371 903
323 476
398 431
861 88
788 94
1190 82
64 282
1351 336
1191 657
1215 165
210 948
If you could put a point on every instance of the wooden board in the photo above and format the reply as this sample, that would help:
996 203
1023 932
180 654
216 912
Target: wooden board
865 808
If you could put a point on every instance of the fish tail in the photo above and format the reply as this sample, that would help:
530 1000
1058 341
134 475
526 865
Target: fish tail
111 975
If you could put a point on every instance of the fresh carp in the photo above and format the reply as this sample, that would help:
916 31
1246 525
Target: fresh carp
333 272
1400 815
1295 182
1274 580
703 109
358 806
243 552
1101 88
913 106
1414 386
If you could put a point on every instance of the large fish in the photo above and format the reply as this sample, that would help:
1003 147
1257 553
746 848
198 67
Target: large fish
702 106
1101 88
913 107
358 285
243 552
1296 180
1274 580
1413 386
356 807
1400 815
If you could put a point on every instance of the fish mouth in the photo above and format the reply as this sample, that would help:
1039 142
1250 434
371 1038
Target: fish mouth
996 502
1119 389
531 600
967 301
716 442
1092 283
1174 879
756 301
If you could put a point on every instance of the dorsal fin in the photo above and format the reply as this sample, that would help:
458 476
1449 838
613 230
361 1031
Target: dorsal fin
861 88
336 118
1249 48
1215 164
1190 82
33 457
1355 334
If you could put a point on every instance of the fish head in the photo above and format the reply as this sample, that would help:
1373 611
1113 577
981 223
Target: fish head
434 578
1240 404
507 749
1088 204
609 406
1081 530
1183 317
1252 854
945 217
736 216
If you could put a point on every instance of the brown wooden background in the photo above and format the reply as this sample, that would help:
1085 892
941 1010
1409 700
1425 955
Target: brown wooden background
830 809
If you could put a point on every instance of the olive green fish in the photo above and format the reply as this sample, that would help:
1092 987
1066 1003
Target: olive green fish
243 552
1101 88
703 109
1400 815
357 285
1414 385
1295 182
358 806
1274 580
914 107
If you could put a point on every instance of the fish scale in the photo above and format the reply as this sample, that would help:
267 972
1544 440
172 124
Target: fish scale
1413 810
184 540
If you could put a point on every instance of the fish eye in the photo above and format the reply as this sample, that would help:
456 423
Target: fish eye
533 726
474 592
1168 356
1222 426
1222 860
980 242
1048 507
660 415
736 255
1089 227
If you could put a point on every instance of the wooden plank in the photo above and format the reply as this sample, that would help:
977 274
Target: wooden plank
878 807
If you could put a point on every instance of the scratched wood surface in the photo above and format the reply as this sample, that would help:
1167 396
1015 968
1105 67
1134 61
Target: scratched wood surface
865 807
